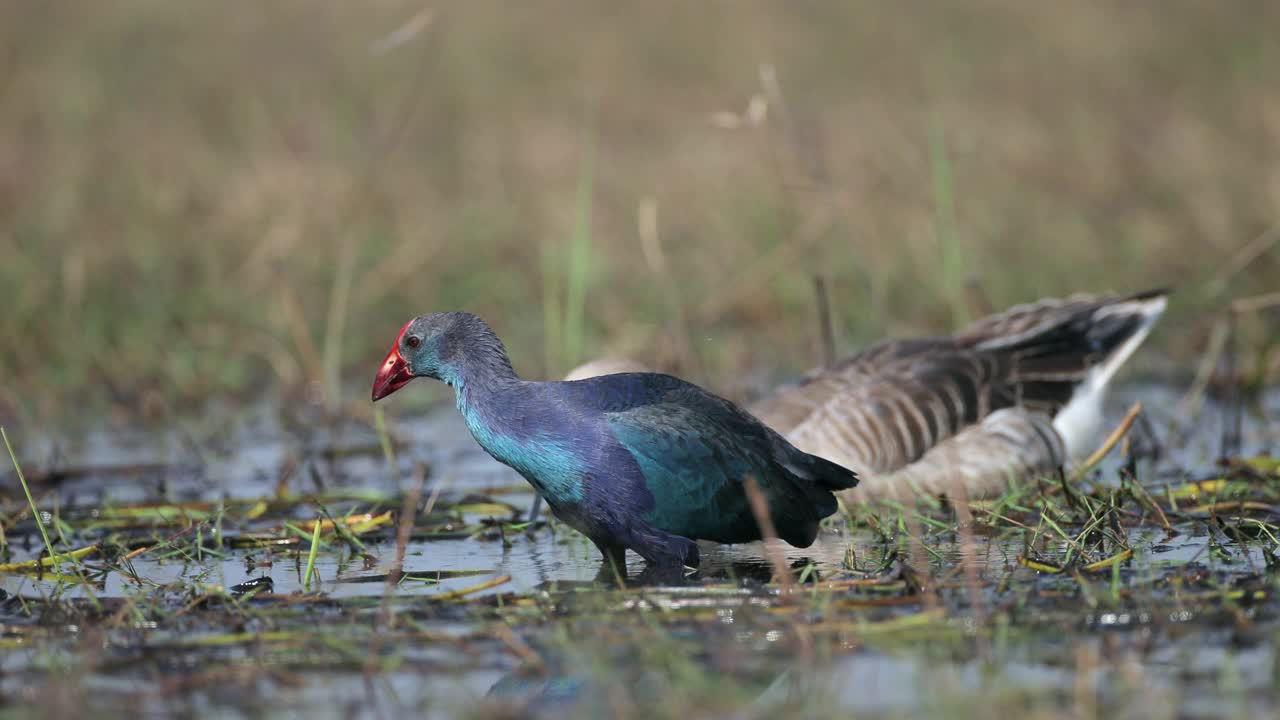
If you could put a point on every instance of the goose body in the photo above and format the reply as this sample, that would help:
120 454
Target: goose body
1013 394
605 366
1016 393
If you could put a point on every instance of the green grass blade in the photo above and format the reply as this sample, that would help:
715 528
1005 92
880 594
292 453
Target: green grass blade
311 555
35 511
951 260
579 258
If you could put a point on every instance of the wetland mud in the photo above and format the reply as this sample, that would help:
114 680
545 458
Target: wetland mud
1147 587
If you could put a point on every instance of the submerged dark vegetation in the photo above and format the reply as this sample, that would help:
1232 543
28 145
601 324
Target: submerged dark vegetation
200 208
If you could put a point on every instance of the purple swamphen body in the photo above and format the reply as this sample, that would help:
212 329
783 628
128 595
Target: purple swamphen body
637 461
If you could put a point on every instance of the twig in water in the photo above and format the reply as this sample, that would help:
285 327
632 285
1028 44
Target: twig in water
408 514
1147 441
386 614
916 552
1112 440
530 656
1233 412
769 535
1189 405
1145 496
969 558
491 583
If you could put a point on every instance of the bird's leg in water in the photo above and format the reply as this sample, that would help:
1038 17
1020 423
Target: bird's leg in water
614 566
662 548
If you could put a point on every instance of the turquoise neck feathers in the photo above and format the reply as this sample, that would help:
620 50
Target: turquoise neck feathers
494 414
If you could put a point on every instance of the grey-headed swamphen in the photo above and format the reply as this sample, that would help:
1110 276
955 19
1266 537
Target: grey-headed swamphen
637 461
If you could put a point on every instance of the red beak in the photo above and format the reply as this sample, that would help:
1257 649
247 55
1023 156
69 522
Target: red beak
393 375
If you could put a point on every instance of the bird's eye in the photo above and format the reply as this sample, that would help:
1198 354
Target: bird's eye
413 341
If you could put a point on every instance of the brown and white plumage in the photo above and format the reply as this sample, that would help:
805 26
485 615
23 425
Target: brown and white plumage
1013 394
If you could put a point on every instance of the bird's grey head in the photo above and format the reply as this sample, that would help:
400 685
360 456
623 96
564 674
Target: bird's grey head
453 347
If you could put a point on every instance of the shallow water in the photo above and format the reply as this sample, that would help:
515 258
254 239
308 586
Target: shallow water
1164 634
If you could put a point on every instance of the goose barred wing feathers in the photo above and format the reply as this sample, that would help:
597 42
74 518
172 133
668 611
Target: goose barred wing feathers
932 407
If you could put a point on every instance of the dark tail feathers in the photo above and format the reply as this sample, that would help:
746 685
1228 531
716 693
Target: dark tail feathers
831 476
1053 345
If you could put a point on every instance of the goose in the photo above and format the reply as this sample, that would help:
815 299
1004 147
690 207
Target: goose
605 366
1013 395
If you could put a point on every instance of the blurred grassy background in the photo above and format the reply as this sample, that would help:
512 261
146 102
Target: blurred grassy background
207 200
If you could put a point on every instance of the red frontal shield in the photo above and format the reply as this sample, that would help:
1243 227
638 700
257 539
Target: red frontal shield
394 373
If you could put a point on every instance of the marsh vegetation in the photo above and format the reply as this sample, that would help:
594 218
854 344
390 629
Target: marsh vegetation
212 221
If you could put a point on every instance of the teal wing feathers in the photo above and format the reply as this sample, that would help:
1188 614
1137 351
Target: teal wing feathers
695 464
